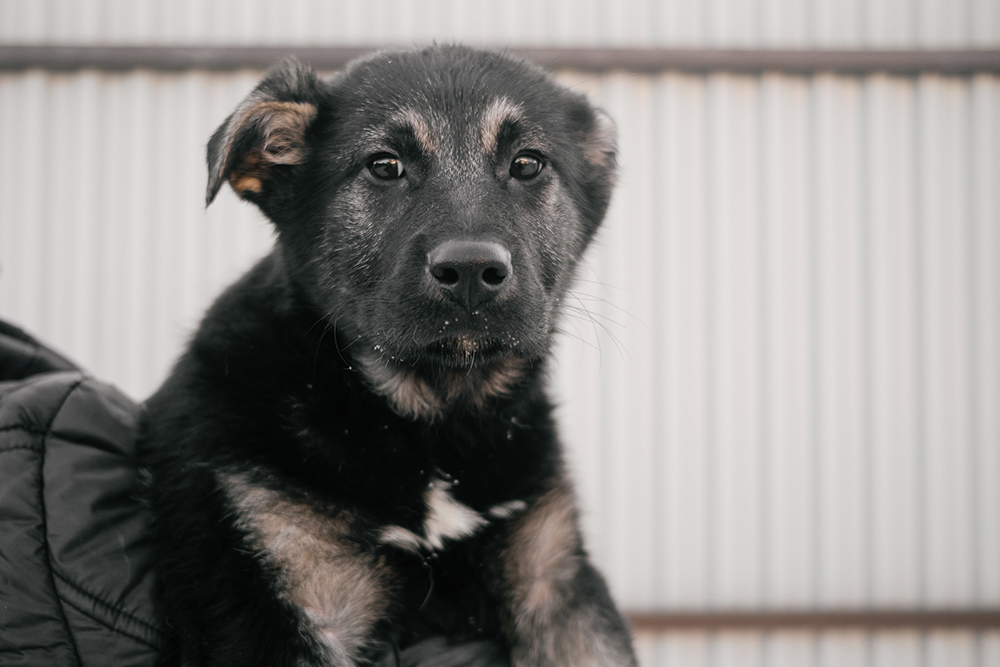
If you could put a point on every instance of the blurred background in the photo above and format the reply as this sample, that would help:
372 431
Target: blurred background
780 382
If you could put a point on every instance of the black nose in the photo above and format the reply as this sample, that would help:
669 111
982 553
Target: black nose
470 272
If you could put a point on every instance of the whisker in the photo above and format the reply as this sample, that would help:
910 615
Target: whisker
591 297
564 332
607 318
595 323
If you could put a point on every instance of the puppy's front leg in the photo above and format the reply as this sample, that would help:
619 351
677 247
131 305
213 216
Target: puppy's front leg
339 587
558 608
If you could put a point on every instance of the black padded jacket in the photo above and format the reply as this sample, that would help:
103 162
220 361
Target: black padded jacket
76 577
76 583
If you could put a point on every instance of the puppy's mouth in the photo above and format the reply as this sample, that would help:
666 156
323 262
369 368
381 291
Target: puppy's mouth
453 371
443 343
467 350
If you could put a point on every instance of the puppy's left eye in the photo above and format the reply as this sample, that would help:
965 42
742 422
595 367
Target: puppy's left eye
386 168
525 167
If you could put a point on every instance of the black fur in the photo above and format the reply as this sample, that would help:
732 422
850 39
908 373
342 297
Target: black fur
302 382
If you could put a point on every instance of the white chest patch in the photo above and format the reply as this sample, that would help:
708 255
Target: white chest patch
508 509
447 519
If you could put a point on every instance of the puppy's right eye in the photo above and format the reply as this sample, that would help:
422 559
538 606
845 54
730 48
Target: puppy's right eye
386 168
525 167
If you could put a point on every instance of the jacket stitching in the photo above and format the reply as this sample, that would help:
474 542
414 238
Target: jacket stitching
34 430
41 378
106 624
113 609
45 522
14 448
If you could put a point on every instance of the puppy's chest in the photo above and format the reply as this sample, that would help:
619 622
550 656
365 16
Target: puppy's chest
445 519
427 521
422 489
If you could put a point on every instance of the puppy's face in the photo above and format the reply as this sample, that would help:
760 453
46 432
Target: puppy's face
431 204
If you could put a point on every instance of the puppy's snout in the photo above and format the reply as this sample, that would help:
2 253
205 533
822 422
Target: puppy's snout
470 272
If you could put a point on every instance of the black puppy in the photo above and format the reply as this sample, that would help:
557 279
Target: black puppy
356 452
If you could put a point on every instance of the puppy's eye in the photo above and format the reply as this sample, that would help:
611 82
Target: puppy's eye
525 167
386 168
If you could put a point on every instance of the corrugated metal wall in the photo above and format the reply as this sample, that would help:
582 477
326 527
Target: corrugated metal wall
829 23
781 375
797 376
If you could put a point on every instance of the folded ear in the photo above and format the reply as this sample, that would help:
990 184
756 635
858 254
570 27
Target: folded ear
599 138
602 142
268 128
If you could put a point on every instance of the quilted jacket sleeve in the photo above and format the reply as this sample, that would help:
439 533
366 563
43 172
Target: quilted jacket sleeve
76 583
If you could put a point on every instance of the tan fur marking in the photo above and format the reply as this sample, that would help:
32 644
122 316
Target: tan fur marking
479 387
542 555
541 565
283 126
341 588
502 110
568 642
412 396
249 175
244 184
406 392
421 129
401 121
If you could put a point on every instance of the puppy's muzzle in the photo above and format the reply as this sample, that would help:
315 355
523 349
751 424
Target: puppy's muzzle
470 272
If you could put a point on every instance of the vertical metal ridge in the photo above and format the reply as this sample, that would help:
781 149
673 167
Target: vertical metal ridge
920 347
711 432
972 356
868 353
659 585
816 481
764 380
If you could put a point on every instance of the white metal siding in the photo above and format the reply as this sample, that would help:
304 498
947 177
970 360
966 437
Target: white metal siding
749 23
807 331
780 378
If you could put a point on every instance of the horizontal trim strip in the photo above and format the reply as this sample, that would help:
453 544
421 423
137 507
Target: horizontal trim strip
875 619
742 61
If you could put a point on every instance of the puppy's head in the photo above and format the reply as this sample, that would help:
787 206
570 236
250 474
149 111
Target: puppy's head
432 204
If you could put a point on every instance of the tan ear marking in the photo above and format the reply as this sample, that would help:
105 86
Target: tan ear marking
282 127
245 184
251 172
285 125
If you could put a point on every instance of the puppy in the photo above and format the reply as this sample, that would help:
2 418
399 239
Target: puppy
356 452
